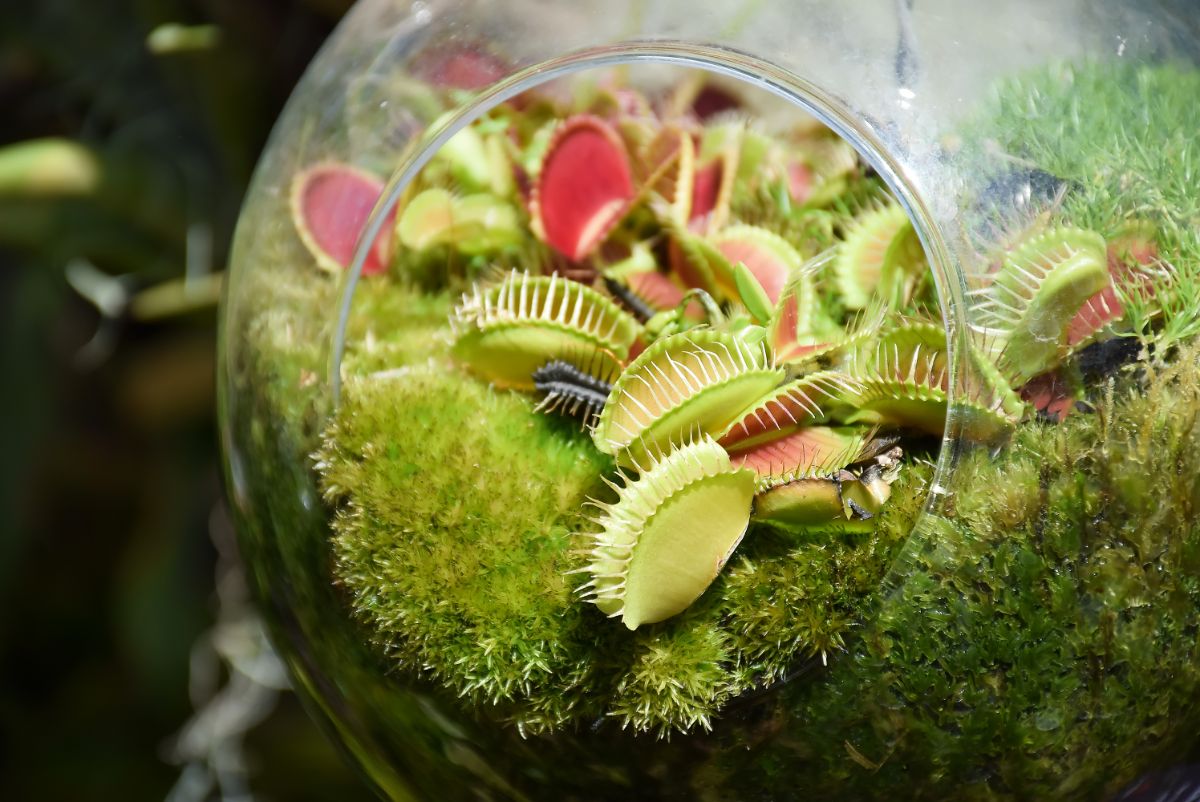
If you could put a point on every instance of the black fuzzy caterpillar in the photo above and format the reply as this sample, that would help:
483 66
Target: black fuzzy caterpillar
628 299
570 390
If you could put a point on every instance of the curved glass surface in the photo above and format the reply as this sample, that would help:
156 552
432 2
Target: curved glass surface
1019 622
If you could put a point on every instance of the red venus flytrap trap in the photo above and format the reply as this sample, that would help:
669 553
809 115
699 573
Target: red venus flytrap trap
584 187
330 206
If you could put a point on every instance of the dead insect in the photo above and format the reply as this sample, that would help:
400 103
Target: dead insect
1106 357
845 500
570 390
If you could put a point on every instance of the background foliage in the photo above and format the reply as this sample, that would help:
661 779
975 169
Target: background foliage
112 532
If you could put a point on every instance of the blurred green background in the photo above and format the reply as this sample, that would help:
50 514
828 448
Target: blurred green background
133 667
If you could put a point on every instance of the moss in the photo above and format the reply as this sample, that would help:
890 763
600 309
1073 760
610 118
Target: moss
1045 654
419 461
789 600
459 509
1122 135
392 325
682 668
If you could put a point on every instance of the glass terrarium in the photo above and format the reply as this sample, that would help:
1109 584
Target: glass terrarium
730 401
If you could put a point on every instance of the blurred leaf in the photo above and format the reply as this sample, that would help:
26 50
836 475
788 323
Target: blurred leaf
48 167
176 38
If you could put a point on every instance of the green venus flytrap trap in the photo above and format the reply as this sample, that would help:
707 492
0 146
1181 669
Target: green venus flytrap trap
626 483
669 533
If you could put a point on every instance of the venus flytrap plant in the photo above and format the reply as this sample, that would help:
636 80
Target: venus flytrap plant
844 499
584 186
472 161
822 342
903 379
731 358
669 172
905 280
1131 257
733 383
799 330
805 401
695 307
752 295
869 238
696 262
801 452
715 176
988 406
473 224
769 258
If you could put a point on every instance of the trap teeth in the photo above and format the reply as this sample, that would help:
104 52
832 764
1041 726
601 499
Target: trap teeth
809 451
698 380
861 256
769 257
846 499
800 334
803 402
669 165
668 534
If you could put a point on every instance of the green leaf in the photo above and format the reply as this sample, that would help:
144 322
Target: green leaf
754 298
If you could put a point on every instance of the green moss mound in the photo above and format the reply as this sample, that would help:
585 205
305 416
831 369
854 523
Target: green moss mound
459 510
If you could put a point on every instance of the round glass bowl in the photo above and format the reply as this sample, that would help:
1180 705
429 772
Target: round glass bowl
906 294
